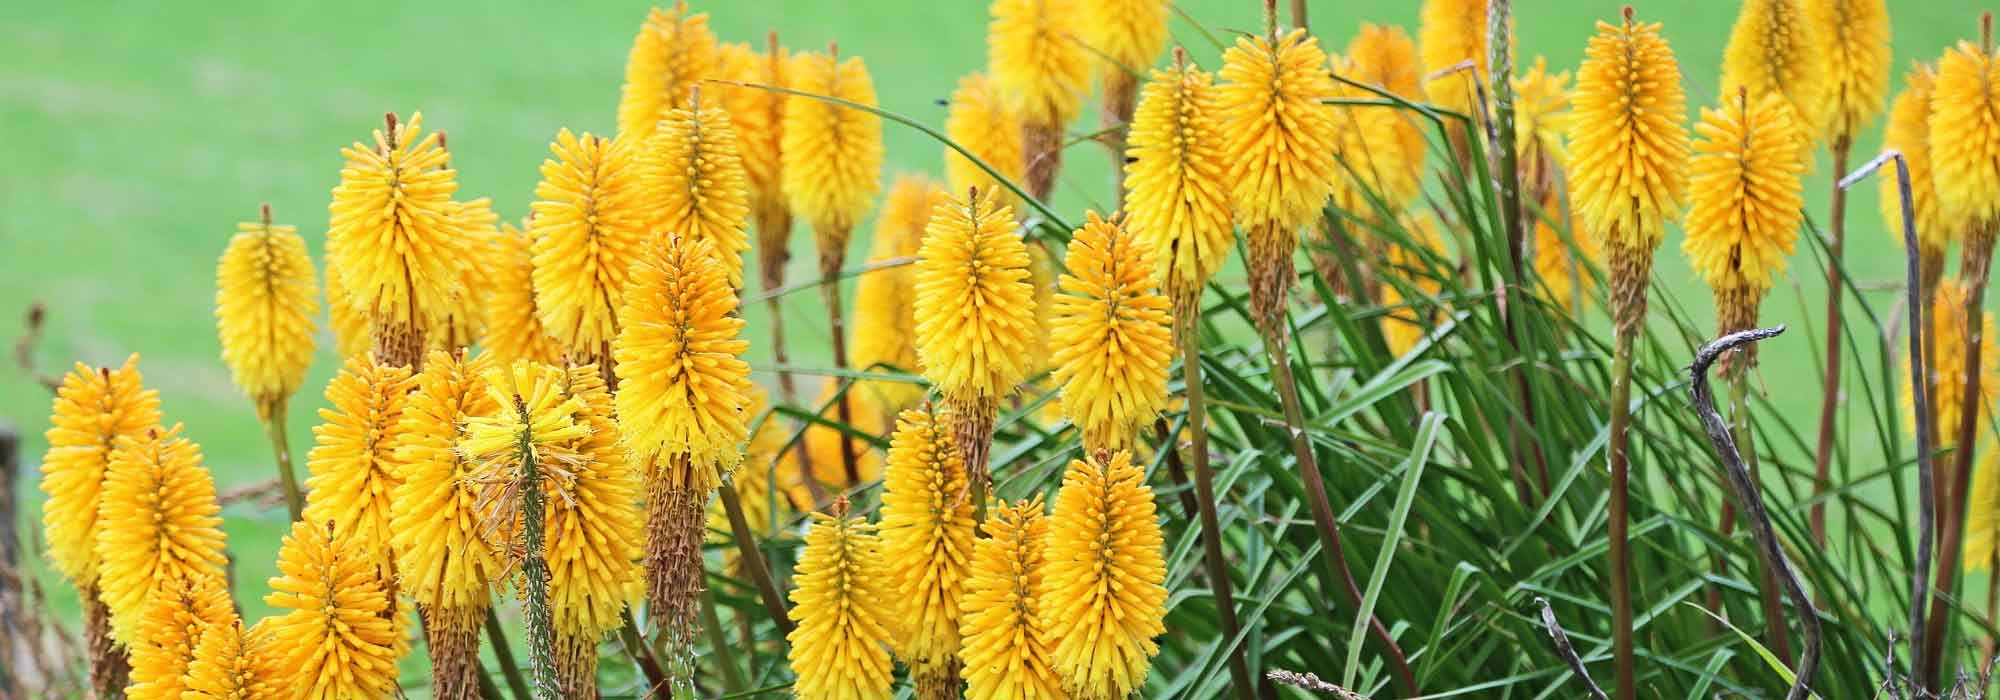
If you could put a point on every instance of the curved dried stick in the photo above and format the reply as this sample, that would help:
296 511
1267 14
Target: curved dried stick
1567 651
1758 518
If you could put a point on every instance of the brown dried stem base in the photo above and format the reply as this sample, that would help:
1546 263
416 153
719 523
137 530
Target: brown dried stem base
576 664
110 669
398 344
972 431
1271 275
1043 146
452 638
675 526
944 682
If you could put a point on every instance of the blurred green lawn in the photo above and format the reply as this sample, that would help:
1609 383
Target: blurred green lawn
139 133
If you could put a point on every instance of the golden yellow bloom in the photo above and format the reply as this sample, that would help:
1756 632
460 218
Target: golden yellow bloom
832 154
514 329
233 663
1377 166
673 52
884 329
844 609
1909 132
178 618
1450 32
758 116
336 640
465 322
1773 50
1541 117
1855 36
1965 113
695 176
1176 198
1410 319
975 310
596 536
1385 57
1112 337
1037 60
157 525
980 120
532 404
1278 138
1128 33
681 354
589 225
927 535
394 234
349 325
1105 596
1008 642
353 459
95 409
266 297
1947 366
1982 520
435 514
1746 193
1628 170
1563 268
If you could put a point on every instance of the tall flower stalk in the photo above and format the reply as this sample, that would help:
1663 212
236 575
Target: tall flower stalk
265 300
1629 177
1043 70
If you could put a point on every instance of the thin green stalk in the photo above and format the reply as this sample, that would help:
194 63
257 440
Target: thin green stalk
642 654
504 654
1740 428
753 560
1621 554
1204 485
274 428
732 677
541 630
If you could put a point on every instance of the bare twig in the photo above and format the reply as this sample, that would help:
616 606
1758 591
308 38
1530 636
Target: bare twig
1565 650
24 347
1755 515
1312 683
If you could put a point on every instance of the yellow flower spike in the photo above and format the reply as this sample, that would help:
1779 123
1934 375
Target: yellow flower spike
975 315
94 410
1541 118
1280 142
436 516
1105 596
1982 520
832 154
681 349
1965 112
843 607
1746 193
695 175
1563 268
1386 58
1112 336
177 620
266 297
1034 49
884 327
234 663
759 117
1176 196
1008 645
927 535
1947 364
465 323
589 225
335 640
395 236
596 536
1855 36
1773 50
673 52
1410 319
514 331
493 441
157 525
1908 131
1451 32
1628 144
353 462
1128 33
980 120
349 325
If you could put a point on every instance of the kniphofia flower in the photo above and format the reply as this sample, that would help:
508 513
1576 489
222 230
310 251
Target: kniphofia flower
673 52
1982 519
884 331
1112 336
1176 197
1965 114
927 540
1744 217
1383 149
465 320
695 175
514 329
589 225
266 297
157 525
1452 32
1008 644
843 607
1908 132
1412 313
596 536
975 314
759 117
832 154
1541 117
980 120
349 325
95 409
1855 36
1774 50
819 446
353 459
681 348
336 638
1037 60
1105 596
1947 363
1128 33
176 621
395 238
236 663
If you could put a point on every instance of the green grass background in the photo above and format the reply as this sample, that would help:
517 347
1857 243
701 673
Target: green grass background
138 133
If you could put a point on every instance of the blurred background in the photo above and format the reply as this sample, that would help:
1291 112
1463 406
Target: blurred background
138 133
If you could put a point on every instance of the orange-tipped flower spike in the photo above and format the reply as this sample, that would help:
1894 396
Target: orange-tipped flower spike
1383 148
759 118
843 607
1744 219
1947 363
927 539
1452 32
1176 196
832 154
596 537
337 640
395 237
1909 132
673 52
1112 336
1541 119
95 409
1008 648
353 459
1855 36
682 342
980 120
176 621
514 331
589 225
1128 34
1043 70
1965 113
694 174
235 663
1773 49
266 297
157 525
1412 317
465 322
1105 596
